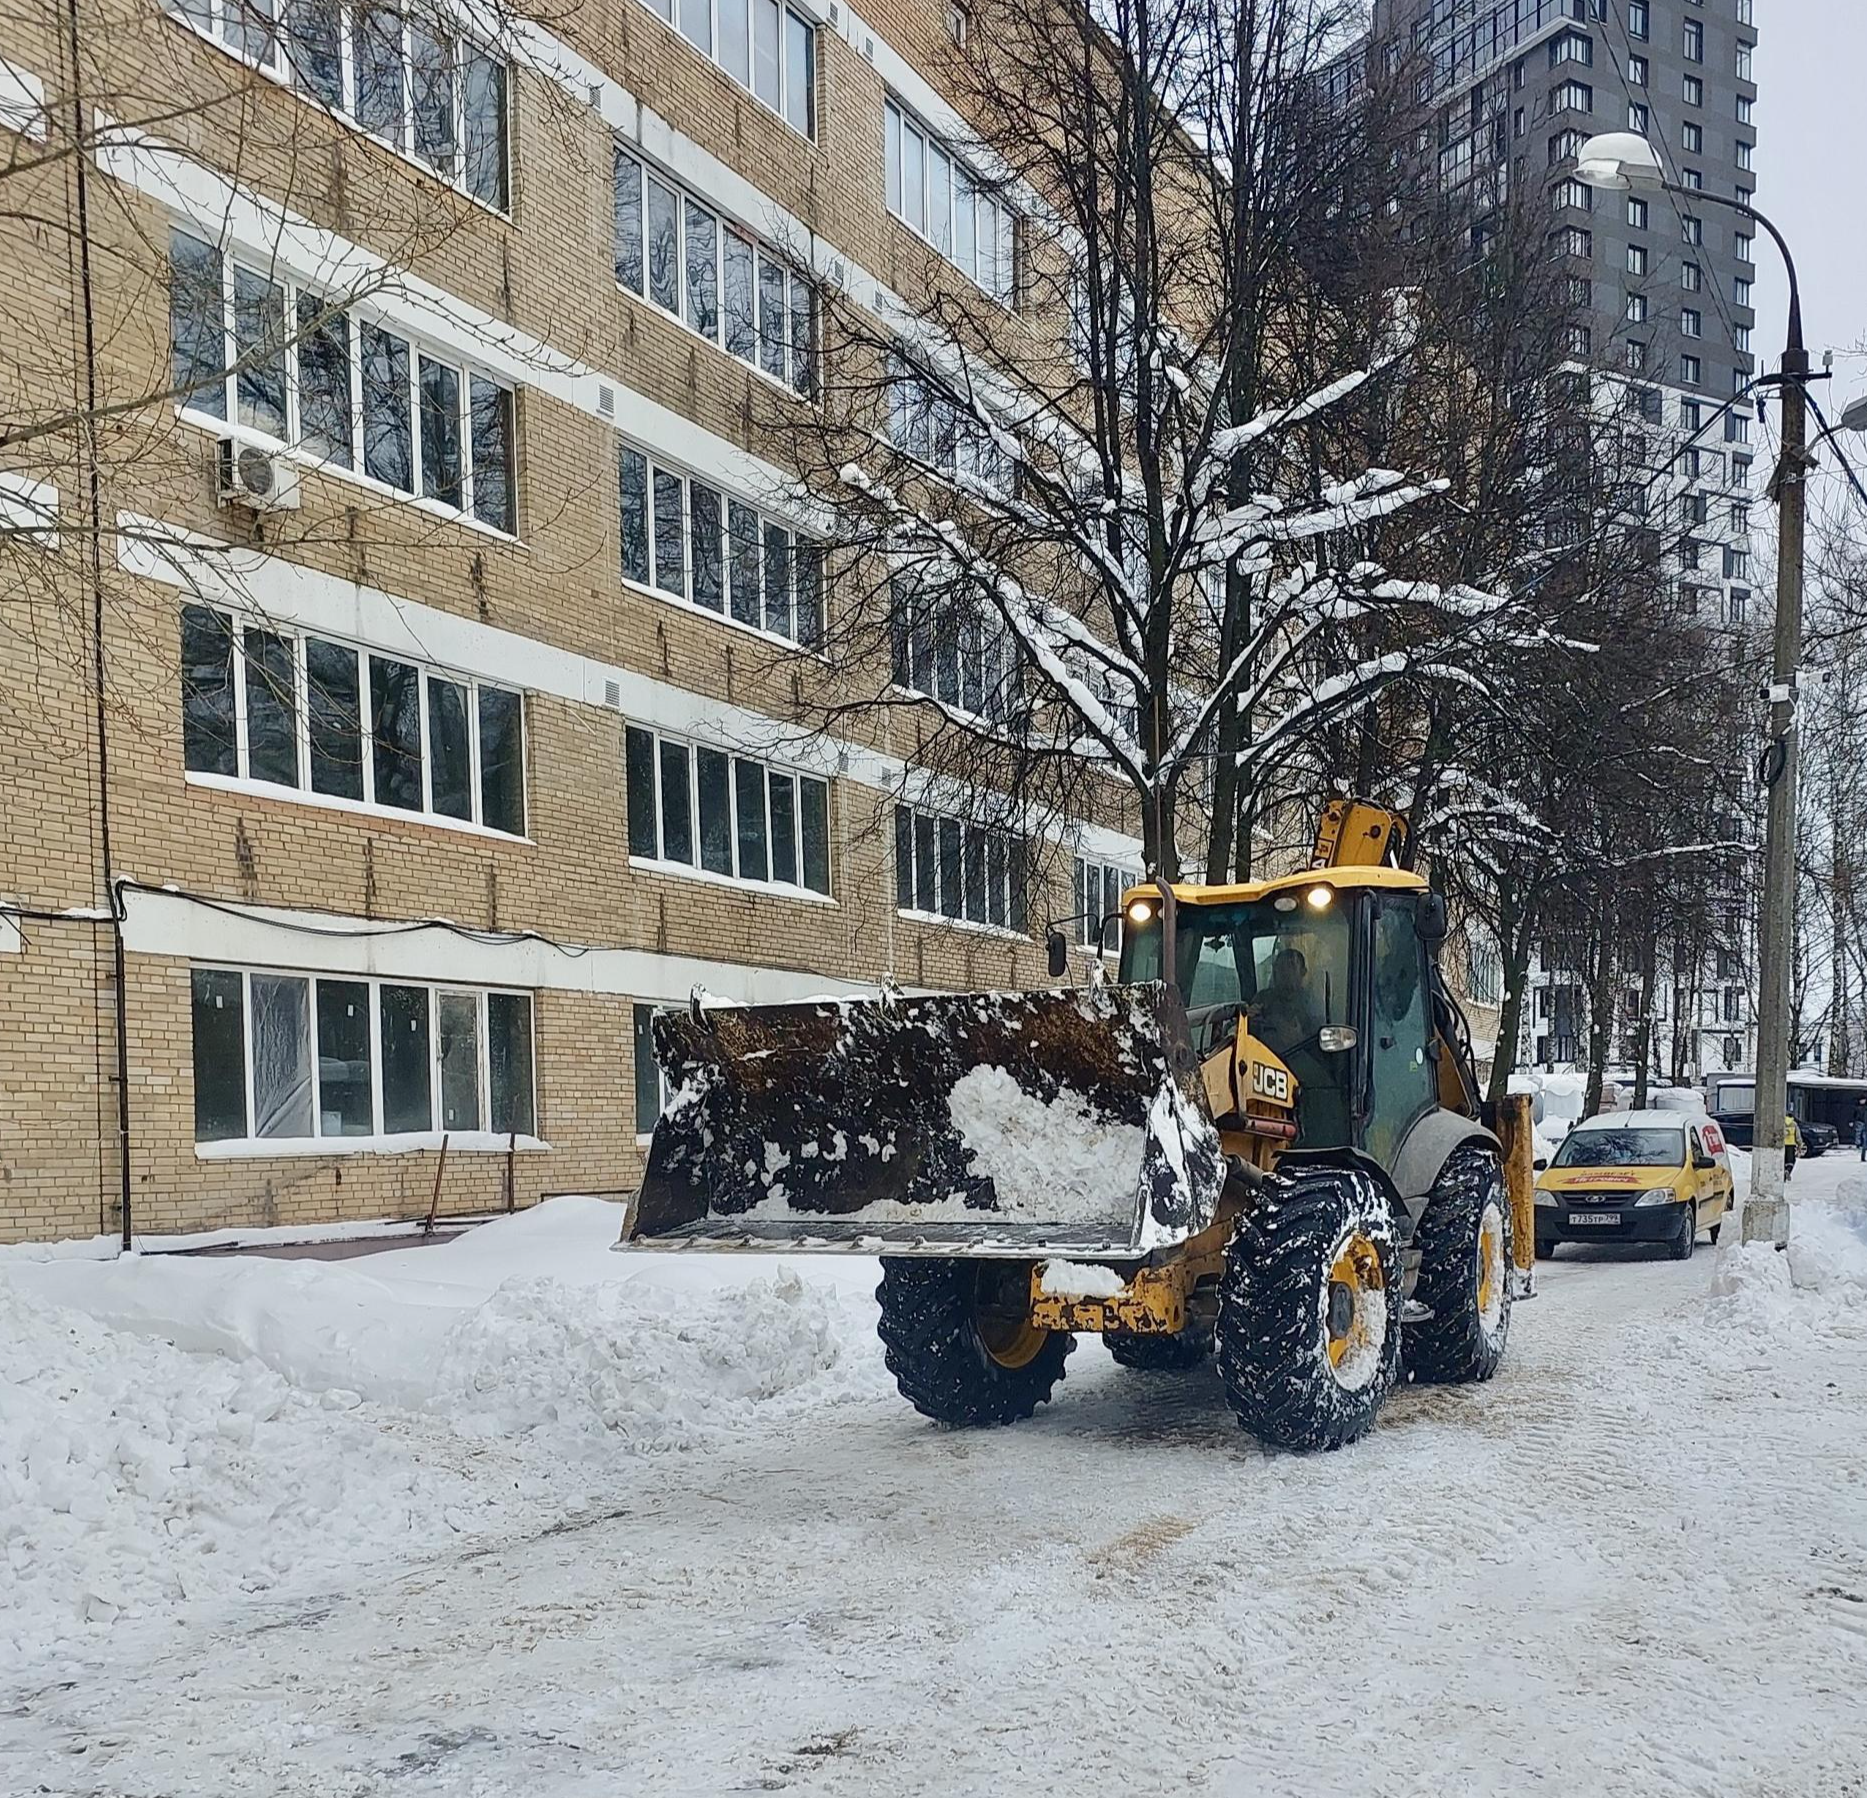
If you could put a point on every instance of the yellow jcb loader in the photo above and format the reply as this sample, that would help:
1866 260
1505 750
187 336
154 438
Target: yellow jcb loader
1262 1142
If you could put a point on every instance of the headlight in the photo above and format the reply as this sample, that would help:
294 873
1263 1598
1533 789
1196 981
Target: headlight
1660 1195
1546 1198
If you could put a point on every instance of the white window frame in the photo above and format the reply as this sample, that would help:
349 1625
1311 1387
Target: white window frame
662 863
898 122
675 14
798 365
655 465
243 780
1015 849
378 1139
1090 935
355 315
992 650
211 20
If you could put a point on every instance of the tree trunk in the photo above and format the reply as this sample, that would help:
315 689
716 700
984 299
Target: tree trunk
1643 1054
1600 1014
1513 932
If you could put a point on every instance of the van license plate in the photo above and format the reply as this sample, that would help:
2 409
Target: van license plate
1594 1217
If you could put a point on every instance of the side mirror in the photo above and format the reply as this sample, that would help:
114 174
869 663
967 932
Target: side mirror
1430 919
1541 1162
1056 954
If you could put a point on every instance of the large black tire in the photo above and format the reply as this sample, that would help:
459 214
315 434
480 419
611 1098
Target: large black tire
1466 1273
1682 1245
934 1326
1277 1298
1162 1354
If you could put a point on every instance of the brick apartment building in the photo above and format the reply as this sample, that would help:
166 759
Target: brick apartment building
414 796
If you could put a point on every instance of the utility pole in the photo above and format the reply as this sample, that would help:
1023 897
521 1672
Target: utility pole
1766 1212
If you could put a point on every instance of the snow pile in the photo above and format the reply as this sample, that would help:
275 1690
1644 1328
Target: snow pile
181 1433
1081 1280
1815 1289
136 1479
638 1366
1052 1163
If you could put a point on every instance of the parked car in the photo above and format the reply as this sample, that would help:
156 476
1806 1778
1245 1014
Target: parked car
1635 1176
1818 1139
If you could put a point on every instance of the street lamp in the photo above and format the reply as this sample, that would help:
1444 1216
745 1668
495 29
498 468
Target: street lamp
1622 160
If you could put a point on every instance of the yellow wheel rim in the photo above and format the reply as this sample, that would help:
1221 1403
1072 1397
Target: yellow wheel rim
1355 1305
1001 1316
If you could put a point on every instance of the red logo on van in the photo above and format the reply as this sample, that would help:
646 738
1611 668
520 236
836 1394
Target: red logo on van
1714 1138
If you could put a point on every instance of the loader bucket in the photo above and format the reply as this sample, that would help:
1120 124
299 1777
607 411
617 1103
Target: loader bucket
1007 1124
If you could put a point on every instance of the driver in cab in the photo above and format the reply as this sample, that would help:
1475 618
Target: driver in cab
1284 1014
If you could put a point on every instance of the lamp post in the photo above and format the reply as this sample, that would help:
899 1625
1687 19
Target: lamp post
1619 160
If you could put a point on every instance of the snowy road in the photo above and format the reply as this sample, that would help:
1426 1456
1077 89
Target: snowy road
1634 1564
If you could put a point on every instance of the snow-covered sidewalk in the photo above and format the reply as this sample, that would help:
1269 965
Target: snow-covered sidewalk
516 1515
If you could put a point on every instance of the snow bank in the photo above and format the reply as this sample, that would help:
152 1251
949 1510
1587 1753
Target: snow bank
1814 1290
177 1432
1052 1163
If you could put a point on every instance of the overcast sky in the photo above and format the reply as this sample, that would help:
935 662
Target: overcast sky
1812 182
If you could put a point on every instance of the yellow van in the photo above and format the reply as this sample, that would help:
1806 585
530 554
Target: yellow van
1635 1176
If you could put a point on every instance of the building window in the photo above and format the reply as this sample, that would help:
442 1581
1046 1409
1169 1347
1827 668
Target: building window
1571 240
1572 96
292 1057
1690 552
1691 277
427 94
1572 47
1636 313
1694 508
925 424
1744 13
1740 291
1636 355
1097 892
1636 259
1692 599
1691 137
1484 970
692 806
1573 193
1691 415
1637 71
327 718
1740 518
1564 146
1580 340
1736 606
1743 60
1692 178
1691 322
768 49
1639 118
1693 91
365 398
1692 229
651 1085
1740 339
1636 213
1637 23
1740 471
677 252
962 657
686 540
1690 370
1743 110
947 868
936 196
1694 44
1736 562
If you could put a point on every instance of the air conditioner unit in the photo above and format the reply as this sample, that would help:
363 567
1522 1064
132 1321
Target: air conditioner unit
257 479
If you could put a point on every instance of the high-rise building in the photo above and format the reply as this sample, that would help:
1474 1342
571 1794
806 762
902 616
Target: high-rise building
1499 97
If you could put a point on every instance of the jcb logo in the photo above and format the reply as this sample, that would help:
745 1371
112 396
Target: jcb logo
1270 1083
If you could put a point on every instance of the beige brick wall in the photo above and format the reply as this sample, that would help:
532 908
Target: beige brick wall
546 268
